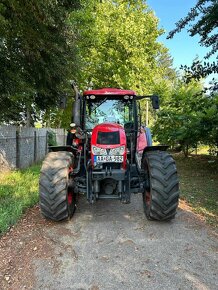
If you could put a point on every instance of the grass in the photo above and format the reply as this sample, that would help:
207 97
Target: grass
199 184
18 191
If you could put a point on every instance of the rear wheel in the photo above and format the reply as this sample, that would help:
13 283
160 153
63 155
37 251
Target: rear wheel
161 194
57 199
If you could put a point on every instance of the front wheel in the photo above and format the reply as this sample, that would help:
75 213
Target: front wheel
56 196
161 193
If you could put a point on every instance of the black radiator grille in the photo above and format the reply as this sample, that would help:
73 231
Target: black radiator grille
108 138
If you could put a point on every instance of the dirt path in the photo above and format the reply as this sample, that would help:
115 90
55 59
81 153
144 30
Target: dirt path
109 246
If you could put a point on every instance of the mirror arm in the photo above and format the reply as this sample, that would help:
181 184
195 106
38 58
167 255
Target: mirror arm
154 99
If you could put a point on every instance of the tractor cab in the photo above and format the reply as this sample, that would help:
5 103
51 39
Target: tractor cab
110 156
108 106
111 117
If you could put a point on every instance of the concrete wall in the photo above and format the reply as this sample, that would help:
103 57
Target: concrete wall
7 147
61 136
20 147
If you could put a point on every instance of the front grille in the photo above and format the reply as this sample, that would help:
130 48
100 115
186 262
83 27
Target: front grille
108 138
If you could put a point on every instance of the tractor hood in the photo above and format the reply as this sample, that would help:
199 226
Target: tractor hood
109 135
109 141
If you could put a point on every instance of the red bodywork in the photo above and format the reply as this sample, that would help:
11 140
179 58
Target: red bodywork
141 141
109 91
109 127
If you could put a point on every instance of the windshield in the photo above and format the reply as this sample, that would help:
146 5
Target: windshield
106 110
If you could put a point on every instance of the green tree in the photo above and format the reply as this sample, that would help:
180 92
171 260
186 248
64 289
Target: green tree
117 46
202 20
36 54
209 123
181 120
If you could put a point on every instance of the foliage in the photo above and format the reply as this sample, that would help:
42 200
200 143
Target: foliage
18 191
187 117
121 53
199 70
58 118
202 19
209 123
118 47
36 53
43 44
198 123
52 141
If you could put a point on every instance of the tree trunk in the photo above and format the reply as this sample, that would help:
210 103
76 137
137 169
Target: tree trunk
185 150
28 118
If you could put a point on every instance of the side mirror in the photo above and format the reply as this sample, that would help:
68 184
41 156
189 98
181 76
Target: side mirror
155 102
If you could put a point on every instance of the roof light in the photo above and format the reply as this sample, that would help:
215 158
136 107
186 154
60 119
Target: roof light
87 97
92 97
126 97
131 97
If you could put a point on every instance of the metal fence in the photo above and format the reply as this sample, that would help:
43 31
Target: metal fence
21 147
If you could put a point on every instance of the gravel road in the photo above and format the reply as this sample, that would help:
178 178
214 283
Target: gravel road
110 246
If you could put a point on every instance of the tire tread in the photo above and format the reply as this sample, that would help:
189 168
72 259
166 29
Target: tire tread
53 185
164 185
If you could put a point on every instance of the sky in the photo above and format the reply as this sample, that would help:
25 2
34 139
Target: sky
183 48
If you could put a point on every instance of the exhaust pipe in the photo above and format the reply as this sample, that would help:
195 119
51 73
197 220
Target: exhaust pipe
76 106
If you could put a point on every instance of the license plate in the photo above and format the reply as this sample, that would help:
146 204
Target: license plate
106 158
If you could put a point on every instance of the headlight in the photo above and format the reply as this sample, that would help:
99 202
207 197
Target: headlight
117 151
98 151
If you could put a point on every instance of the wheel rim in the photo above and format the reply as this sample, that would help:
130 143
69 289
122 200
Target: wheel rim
147 193
148 198
70 197
70 192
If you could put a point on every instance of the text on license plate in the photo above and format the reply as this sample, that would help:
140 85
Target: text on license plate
105 158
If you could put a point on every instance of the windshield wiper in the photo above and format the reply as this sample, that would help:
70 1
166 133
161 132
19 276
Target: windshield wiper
99 104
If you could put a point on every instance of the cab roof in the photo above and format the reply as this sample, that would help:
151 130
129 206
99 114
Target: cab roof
109 91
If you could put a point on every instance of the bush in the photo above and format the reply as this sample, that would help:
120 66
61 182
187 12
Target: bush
188 117
52 141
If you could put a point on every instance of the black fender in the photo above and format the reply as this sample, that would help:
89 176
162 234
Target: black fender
154 148
67 148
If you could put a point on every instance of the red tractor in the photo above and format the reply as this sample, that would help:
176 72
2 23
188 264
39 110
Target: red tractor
109 155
